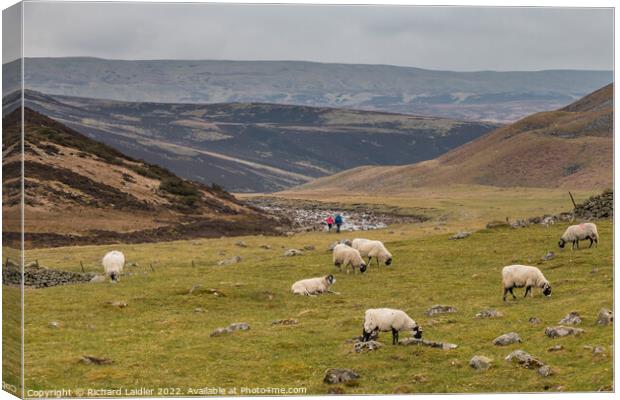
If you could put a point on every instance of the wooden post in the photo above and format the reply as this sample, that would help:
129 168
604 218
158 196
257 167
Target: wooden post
82 265
193 264
6 263
572 199
152 269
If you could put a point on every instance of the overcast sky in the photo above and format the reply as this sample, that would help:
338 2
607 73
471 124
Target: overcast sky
447 38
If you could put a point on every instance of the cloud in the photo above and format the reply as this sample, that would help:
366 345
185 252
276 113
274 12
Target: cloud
454 38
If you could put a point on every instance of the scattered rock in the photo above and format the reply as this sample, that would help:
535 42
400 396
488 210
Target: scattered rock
309 247
489 313
336 390
284 322
571 318
371 345
238 326
497 224
193 288
440 309
38 276
229 261
215 292
605 317
429 343
241 243
374 335
506 339
598 350
117 303
480 362
596 207
98 279
520 223
557 347
524 359
534 321
340 375
545 370
54 324
460 235
560 331
265 246
293 252
199 310
94 360
348 242
549 256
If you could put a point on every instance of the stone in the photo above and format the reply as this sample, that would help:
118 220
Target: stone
340 375
560 331
460 235
237 326
598 350
336 390
545 370
371 345
571 318
440 309
549 256
199 310
489 313
88 360
348 242
524 359
265 247
117 303
506 339
428 343
54 324
556 347
284 322
98 279
480 362
534 321
219 332
605 317
293 252
309 247
241 243
229 261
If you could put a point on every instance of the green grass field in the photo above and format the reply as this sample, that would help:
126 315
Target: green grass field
159 340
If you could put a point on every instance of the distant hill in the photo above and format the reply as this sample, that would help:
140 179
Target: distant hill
482 95
255 147
79 191
571 147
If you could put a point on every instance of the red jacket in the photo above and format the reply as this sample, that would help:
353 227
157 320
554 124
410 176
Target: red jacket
330 220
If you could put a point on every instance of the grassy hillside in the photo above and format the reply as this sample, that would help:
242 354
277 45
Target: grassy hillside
569 148
160 340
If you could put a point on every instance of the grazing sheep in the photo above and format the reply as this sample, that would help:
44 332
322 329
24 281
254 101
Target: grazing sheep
348 256
372 248
388 319
575 233
524 276
113 263
313 286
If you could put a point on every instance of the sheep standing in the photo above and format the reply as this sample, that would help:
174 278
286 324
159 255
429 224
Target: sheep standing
348 256
575 233
524 276
388 319
113 263
372 248
313 286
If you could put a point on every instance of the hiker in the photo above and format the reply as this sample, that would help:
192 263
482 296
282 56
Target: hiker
338 221
330 223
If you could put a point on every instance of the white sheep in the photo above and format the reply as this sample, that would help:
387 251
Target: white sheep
388 319
372 248
113 263
348 256
575 233
524 276
313 286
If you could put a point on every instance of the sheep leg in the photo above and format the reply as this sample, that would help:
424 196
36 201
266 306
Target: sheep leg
505 293
394 336
528 289
591 242
512 293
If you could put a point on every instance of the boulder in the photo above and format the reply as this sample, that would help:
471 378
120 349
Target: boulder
54 324
364 347
98 279
241 243
524 359
605 317
545 370
340 375
571 318
440 309
284 322
560 331
556 347
265 247
506 339
94 360
480 362
293 252
229 261
489 313
428 343
460 235
309 247
549 256
238 326
534 321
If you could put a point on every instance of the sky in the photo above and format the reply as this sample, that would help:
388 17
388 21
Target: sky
444 38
